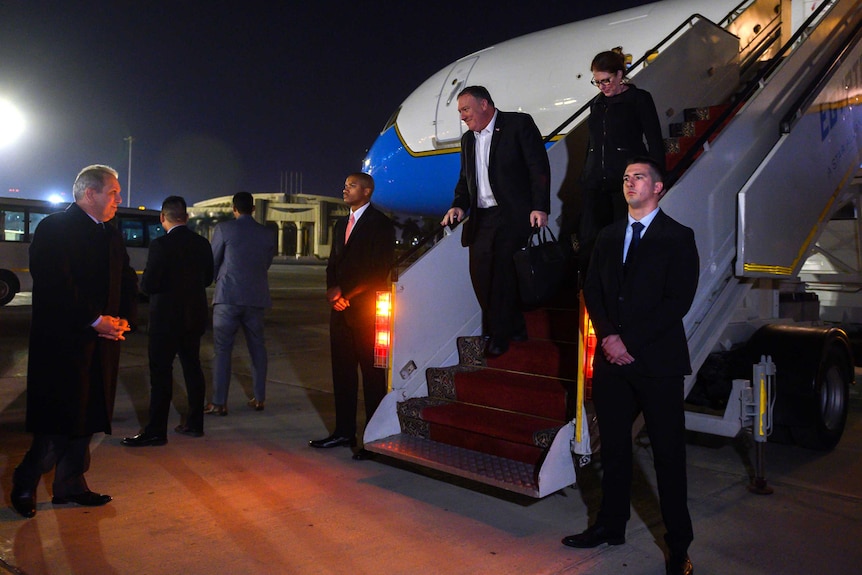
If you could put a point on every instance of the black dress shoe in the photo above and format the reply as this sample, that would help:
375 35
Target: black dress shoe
593 537
496 347
87 499
144 439
332 441
189 431
679 565
363 455
23 501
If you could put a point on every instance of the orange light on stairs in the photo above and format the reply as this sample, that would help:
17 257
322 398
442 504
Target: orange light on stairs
382 329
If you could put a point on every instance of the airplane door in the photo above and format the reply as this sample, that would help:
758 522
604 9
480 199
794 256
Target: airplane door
447 123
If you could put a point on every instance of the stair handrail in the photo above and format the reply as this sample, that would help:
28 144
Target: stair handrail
424 241
754 85
797 110
735 13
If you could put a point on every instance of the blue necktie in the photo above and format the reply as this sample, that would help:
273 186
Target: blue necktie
637 227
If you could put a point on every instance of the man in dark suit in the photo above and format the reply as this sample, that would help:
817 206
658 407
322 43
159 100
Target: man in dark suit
243 250
504 186
363 249
84 296
640 284
179 268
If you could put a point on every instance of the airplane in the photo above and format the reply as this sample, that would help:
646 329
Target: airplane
415 160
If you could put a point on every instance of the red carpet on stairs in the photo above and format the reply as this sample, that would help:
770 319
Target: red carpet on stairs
510 406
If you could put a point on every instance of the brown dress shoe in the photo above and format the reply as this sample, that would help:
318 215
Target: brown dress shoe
679 565
213 409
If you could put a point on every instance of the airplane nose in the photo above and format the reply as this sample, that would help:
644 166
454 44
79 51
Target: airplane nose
410 183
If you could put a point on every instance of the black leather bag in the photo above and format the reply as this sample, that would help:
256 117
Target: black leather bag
541 265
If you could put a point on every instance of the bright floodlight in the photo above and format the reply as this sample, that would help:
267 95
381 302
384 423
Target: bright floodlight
11 123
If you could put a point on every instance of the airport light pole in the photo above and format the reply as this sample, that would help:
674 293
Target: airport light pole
129 177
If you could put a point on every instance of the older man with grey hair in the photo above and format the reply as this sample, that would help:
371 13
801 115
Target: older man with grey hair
84 298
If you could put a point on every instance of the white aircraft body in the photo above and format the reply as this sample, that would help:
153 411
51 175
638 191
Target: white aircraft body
546 74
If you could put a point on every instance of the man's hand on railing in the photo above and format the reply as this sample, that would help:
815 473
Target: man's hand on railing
452 217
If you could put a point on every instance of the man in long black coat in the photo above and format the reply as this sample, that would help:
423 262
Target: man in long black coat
179 268
84 296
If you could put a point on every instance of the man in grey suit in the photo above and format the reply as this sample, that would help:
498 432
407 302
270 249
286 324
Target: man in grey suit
242 253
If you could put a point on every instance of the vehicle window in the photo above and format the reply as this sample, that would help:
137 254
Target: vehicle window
13 226
155 231
133 233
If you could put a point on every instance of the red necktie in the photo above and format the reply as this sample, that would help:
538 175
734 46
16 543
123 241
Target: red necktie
350 223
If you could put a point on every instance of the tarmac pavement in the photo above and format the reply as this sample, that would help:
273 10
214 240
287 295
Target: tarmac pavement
252 497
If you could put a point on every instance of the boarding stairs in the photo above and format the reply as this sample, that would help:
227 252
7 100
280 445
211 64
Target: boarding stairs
736 147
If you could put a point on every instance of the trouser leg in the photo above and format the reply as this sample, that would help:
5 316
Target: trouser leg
193 374
225 325
345 378
39 459
161 353
254 338
616 408
662 400
373 378
73 462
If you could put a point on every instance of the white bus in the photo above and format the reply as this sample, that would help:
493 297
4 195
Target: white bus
18 221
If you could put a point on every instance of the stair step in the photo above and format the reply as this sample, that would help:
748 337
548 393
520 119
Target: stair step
457 436
412 423
704 113
693 128
529 394
506 425
500 472
539 357
557 324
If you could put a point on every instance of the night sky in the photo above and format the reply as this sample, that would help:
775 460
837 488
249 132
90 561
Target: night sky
221 96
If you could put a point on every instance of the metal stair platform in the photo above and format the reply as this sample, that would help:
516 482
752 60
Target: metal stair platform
488 469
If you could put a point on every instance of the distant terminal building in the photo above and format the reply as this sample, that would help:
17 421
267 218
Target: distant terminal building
303 223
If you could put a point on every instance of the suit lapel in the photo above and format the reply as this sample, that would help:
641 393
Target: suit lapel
619 238
495 138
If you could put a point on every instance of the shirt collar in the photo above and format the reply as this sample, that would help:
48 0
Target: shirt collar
358 213
646 220
489 129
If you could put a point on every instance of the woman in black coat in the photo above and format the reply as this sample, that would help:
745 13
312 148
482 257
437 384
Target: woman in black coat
623 124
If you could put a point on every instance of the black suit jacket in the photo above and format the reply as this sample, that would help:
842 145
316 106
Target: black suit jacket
644 304
518 171
80 271
179 268
361 267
